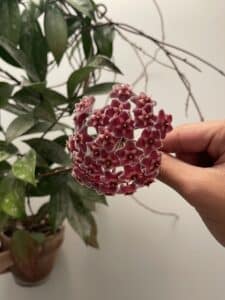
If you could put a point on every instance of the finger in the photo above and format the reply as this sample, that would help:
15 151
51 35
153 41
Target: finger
189 158
201 159
191 138
180 176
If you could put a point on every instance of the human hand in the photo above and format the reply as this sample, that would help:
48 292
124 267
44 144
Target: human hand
198 170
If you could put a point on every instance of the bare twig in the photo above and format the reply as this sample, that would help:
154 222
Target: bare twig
144 52
186 61
180 74
154 211
187 86
156 41
163 37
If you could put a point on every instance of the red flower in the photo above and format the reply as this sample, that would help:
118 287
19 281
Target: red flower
85 105
122 125
80 140
108 159
111 184
129 154
142 100
112 160
122 91
131 172
128 189
98 119
106 140
150 140
163 123
82 110
144 116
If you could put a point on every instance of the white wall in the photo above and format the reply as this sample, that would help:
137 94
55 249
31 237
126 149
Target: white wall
143 256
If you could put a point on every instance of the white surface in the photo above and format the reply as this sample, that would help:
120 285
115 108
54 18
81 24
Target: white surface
142 256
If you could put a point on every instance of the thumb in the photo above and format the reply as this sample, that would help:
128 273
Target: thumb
179 175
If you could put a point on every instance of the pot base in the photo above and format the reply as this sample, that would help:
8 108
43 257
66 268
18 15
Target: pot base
23 283
34 273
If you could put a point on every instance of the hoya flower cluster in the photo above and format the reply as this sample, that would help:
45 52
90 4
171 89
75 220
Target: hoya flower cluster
116 149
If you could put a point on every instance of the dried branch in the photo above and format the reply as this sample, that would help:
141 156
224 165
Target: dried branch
186 61
154 211
187 86
169 55
163 45
141 50
163 37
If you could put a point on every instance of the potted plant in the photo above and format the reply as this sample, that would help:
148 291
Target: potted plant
35 37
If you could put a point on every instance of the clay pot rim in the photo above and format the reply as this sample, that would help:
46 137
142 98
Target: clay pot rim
60 231
51 243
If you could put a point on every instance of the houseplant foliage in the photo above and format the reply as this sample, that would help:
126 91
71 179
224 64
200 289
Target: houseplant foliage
35 37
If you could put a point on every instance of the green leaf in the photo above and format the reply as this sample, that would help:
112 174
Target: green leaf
32 94
5 167
27 96
6 150
103 62
73 23
54 97
43 126
35 87
86 7
12 197
76 78
19 56
98 89
36 8
38 237
15 109
4 155
62 140
58 206
44 111
56 31
3 221
24 168
7 58
5 93
86 38
49 150
48 185
83 224
79 76
19 126
25 251
85 194
104 36
33 43
10 21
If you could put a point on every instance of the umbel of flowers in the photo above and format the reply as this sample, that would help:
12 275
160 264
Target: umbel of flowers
124 152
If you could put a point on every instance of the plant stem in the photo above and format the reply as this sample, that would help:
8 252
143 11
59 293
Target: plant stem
154 211
56 171
29 205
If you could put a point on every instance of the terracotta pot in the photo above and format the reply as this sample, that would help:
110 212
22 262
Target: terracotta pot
28 275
